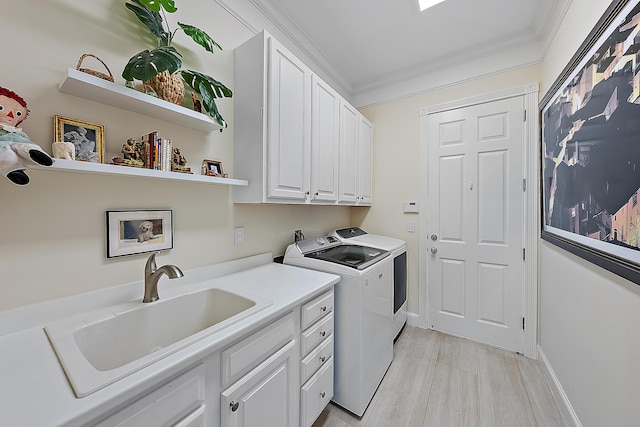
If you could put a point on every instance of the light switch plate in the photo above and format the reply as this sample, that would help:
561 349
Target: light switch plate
239 236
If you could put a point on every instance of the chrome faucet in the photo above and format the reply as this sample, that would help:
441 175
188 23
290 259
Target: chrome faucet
152 274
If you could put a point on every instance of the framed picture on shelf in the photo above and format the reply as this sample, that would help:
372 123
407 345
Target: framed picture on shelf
88 138
136 232
590 150
213 168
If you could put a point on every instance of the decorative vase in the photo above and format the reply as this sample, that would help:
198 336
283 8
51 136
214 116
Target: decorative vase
169 87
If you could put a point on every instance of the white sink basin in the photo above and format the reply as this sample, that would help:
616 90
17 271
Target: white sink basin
104 346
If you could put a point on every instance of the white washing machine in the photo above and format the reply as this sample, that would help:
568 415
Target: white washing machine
363 335
398 249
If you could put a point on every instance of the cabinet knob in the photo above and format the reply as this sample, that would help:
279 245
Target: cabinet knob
323 333
234 406
322 359
323 308
322 394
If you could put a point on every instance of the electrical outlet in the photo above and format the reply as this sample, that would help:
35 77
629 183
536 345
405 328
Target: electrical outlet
239 236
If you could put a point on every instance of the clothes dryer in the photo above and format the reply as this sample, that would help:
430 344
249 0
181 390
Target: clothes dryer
398 249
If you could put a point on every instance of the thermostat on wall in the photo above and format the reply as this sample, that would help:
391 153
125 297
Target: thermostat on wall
411 207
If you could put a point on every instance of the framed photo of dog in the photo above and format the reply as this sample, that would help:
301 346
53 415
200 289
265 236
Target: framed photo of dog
136 232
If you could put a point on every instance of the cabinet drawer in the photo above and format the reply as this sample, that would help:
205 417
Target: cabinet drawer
317 333
194 419
316 308
316 358
240 358
167 405
316 394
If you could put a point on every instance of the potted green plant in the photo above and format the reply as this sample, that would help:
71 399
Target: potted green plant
161 67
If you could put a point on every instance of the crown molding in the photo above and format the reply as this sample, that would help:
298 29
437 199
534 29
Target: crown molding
258 15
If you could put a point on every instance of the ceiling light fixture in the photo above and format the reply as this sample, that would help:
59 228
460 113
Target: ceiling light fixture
425 4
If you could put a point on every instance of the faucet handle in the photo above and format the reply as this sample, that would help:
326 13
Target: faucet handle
151 262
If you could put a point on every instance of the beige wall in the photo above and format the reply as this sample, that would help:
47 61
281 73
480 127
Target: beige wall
397 161
52 232
588 317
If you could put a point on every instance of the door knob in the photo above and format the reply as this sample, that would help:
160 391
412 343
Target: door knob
434 250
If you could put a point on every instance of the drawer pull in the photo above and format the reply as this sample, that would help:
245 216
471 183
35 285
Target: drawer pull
323 308
322 359
323 333
234 406
322 394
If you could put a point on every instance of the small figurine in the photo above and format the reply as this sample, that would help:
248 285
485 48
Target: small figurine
197 105
130 150
179 162
64 150
17 151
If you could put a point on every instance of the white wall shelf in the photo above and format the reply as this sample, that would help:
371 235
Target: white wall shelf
105 92
101 168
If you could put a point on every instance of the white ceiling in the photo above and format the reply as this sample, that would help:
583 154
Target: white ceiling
366 45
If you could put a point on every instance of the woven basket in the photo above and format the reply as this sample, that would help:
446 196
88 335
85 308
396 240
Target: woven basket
169 87
102 75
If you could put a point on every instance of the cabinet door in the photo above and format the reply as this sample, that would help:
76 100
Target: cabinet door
365 163
289 127
348 178
266 397
325 134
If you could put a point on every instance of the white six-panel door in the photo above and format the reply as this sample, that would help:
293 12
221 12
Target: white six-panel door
476 219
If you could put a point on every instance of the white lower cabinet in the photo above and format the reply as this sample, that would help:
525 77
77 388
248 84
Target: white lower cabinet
179 402
263 397
261 378
316 351
280 375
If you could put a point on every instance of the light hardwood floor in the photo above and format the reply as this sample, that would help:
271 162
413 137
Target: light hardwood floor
437 380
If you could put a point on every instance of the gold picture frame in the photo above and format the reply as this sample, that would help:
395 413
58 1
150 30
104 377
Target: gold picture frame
213 168
88 138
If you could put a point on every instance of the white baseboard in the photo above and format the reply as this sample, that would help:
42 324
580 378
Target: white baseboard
562 400
413 319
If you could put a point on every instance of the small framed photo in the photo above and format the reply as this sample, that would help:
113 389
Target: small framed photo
213 168
136 232
88 138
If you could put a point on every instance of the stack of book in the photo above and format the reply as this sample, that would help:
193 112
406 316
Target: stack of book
158 152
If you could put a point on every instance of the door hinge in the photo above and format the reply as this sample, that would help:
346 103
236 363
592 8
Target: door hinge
524 184
524 254
523 323
524 116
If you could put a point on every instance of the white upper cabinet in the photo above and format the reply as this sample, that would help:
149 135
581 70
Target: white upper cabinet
349 127
325 135
365 163
288 125
288 130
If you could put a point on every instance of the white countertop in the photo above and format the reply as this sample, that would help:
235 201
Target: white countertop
34 390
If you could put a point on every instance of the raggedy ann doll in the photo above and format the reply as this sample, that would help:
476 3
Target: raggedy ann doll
17 152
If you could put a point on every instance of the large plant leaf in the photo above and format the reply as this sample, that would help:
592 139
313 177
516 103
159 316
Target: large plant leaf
150 18
148 64
209 89
200 37
155 5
